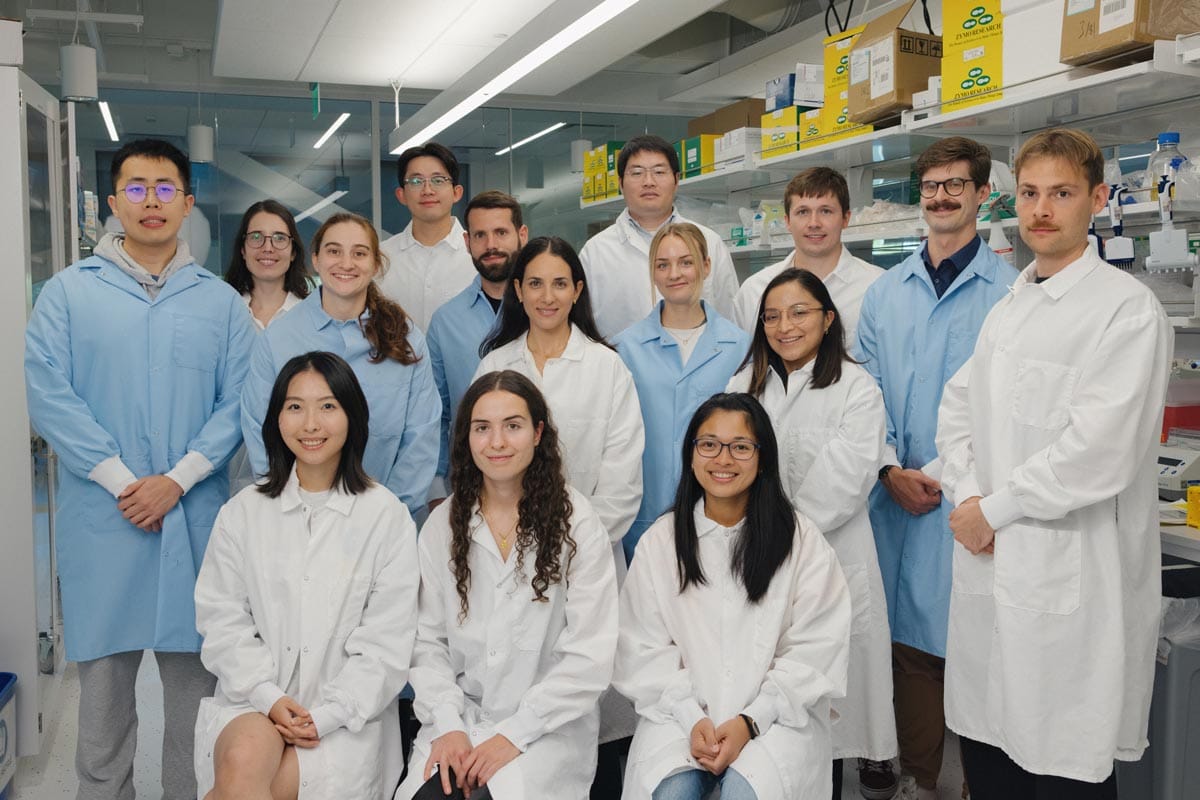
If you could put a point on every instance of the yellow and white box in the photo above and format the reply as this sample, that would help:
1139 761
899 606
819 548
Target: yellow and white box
972 52
781 131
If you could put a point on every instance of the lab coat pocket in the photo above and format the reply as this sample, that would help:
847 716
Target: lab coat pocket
1042 393
803 446
1038 568
533 623
197 343
972 574
859 583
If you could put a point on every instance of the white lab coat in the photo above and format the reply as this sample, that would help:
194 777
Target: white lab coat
323 599
594 406
617 263
709 652
830 442
421 279
1054 422
529 671
847 285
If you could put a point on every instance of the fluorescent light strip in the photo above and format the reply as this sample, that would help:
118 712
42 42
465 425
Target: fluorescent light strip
332 130
108 121
317 206
529 139
547 50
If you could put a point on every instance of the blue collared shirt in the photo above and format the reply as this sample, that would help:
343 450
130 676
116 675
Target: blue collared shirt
455 333
943 274
402 446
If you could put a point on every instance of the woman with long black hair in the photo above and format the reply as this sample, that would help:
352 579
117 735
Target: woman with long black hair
518 611
306 603
735 621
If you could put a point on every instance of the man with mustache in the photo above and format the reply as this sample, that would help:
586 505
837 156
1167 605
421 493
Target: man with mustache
494 236
917 327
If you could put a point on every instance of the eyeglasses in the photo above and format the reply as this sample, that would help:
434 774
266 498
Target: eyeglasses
739 448
256 239
437 182
795 314
953 186
658 173
136 192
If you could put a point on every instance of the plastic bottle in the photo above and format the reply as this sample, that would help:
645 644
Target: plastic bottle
1000 243
1166 158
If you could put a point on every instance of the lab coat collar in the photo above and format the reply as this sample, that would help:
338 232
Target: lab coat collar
320 319
338 501
983 265
185 278
481 535
1062 281
651 328
843 271
576 345
704 525
477 294
405 240
628 229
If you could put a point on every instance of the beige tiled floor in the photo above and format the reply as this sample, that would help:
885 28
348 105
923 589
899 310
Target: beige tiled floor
51 776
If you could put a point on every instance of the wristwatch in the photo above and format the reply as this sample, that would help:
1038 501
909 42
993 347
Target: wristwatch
751 724
883 472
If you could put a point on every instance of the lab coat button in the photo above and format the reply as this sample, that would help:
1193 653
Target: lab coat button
306 579
305 650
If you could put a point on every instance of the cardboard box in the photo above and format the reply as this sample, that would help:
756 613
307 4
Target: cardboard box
737 147
698 154
589 175
812 127
836 123
1097 29
809 87
780 90
742 114
837 62
612 151
888 64
972 52
780 131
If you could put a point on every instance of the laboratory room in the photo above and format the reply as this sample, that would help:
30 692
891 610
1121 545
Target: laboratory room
804 396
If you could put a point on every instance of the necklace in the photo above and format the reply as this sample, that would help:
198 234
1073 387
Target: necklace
503 537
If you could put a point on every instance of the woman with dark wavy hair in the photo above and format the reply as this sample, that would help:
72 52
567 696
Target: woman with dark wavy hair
517 620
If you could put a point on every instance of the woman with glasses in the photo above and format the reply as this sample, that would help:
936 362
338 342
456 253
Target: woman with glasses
350 317
680 355
267 268
518 611
305 600
735 621
546 332
828 416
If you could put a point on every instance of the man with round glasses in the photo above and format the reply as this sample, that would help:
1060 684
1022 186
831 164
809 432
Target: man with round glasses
428 262
617 260
134 363
918 325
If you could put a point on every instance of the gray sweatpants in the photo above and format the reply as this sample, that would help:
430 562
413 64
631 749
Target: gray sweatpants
108 724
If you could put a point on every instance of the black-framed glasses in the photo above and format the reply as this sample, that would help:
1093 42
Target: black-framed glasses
953 186
256 239
740 449
795 315
437 182
136 192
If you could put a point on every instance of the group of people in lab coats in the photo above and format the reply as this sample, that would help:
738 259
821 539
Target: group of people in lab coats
815 532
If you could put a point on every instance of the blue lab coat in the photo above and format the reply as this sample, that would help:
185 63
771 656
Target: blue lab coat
912 342
455 333
669 393
110 372
402 445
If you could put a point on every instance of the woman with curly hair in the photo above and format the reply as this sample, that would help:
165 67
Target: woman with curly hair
517 620
351 318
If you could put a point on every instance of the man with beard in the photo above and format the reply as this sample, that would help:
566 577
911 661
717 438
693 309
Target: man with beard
494 236
917 326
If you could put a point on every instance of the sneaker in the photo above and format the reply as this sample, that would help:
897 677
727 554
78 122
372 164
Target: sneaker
876 780
909 790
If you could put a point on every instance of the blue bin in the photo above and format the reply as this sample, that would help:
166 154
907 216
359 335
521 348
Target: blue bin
8 731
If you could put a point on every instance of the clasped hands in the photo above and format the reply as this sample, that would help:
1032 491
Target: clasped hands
146 501
473 766
294 723
913 490
715 748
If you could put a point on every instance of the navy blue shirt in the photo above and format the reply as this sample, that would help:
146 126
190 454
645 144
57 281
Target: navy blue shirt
943 274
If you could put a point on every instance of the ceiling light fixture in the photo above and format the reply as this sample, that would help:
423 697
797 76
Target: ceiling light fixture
317 206
602 13
332 130
108 121
529 139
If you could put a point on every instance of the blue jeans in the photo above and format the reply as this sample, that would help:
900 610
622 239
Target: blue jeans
695 784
